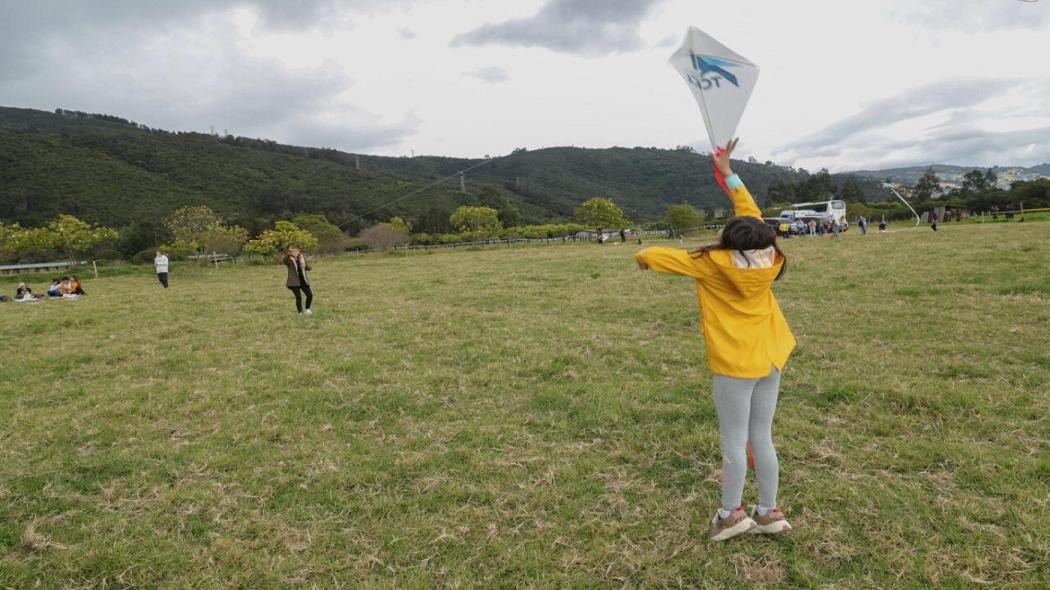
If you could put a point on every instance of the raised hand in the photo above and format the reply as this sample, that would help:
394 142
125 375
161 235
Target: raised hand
722 159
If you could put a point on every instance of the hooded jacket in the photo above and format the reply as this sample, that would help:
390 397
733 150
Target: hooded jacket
740 319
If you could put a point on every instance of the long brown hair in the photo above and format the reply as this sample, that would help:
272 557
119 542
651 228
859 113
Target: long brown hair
745 233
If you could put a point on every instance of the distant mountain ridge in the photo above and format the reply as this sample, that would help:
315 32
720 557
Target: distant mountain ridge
952 176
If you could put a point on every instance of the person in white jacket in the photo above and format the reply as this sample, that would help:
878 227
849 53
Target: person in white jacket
161 262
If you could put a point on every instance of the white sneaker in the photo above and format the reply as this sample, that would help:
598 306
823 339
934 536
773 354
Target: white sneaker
770 523
309 312
737 523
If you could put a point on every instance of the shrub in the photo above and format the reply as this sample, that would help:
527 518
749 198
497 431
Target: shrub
382 236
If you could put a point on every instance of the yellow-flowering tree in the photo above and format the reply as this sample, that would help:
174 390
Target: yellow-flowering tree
283 234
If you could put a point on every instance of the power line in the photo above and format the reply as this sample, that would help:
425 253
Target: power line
419 190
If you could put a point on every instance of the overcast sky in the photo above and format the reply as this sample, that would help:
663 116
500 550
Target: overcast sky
843 84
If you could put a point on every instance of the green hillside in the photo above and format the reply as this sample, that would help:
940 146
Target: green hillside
109 170
118 174
643 181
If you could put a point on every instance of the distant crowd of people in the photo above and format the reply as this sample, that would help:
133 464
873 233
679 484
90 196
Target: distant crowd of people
65 288
821 228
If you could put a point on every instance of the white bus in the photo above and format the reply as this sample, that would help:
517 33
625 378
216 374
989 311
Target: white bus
830 210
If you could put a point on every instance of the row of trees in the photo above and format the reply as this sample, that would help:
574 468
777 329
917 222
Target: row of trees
64 236
198 230
185 232
476 223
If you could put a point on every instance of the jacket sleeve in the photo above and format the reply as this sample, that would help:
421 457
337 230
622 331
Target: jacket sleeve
673 261
743 202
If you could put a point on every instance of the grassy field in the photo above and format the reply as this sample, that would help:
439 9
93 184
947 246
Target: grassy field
528 417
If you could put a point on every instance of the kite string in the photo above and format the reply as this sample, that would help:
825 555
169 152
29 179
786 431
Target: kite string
419 190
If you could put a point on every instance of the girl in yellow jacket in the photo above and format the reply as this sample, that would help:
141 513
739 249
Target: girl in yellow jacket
748 343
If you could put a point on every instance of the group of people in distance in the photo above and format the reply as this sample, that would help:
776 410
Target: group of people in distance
64 288
822 228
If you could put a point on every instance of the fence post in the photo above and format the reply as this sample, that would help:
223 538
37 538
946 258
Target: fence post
94 266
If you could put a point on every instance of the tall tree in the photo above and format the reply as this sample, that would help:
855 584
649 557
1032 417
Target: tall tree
73 237
329 237
476 222
851 190
682 217
433 221
283 234
990 178
928 185
224 240
188 224
781 192
599 212
974 181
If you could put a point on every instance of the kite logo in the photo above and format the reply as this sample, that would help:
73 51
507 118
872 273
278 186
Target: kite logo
712 72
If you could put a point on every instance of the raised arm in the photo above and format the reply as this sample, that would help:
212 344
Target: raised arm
743 202
670 261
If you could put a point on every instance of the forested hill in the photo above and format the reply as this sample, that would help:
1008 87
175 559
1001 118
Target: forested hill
109 170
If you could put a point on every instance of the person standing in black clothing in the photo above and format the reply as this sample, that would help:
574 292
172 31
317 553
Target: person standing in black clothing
297 282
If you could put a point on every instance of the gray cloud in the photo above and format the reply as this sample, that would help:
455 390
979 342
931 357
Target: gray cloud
944 95
178 66
973 16
406 33
490 74
668 42
862 140
587 27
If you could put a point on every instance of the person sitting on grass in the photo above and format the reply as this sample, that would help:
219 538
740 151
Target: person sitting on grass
55 290
748 343
23 292
75 286
70 288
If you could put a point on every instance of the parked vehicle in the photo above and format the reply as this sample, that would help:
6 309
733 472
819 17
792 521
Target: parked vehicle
780 224
834 210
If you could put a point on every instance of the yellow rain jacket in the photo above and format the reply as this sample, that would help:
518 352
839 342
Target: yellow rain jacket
739 317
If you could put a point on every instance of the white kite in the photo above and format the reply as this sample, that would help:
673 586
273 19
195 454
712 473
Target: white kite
721 81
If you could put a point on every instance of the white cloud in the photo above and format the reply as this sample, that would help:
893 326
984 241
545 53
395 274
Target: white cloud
489 74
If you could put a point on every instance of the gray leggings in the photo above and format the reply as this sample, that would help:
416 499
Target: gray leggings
745 415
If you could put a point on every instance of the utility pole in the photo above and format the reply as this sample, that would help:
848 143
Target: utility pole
357 161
